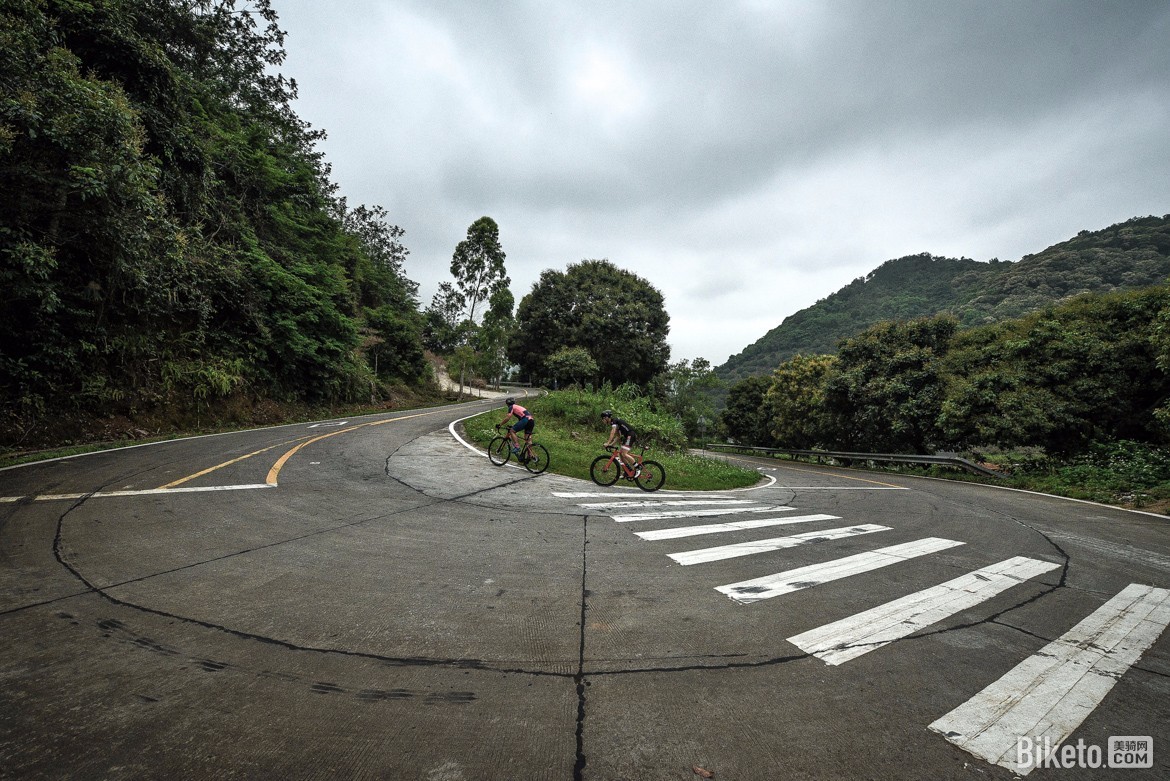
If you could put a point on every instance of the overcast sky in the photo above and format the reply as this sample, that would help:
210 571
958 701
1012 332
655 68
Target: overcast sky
746 158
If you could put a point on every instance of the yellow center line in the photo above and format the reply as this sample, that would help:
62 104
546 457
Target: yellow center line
280 462
182 480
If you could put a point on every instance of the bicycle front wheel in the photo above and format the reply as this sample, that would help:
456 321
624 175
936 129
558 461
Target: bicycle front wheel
539 461
603 471
499 451
652 477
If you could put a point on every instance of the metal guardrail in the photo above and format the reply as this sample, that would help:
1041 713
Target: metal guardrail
881 458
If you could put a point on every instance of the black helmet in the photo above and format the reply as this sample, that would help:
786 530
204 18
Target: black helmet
607 414
508 402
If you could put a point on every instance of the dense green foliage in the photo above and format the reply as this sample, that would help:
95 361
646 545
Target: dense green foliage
792 412
569 425
614 315
168 233
744 417
452 327
478 264
684 391
570 366
1125 256
1086 371
885 391
1060 378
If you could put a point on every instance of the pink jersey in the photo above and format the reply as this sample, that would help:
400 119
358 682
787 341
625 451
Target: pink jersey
520 412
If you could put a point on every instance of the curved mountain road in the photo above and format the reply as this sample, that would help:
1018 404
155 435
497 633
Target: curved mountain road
369 598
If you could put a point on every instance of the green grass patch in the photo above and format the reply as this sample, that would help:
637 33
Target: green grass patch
573 444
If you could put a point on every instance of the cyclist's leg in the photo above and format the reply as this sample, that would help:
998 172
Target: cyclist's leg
625 456
630 459
521 425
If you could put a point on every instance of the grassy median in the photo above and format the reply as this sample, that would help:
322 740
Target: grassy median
573 442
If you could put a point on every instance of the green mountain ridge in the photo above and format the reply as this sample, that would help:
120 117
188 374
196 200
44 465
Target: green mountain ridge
1128 255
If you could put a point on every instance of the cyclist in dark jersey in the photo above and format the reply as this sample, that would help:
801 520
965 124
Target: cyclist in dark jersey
621 432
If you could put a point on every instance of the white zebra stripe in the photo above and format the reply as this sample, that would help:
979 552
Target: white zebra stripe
717 528
1048 695
770 586
859 634
677 503
776 543
696 513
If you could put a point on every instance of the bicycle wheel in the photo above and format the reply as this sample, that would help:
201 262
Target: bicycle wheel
539 461
499 451
603 472
652 477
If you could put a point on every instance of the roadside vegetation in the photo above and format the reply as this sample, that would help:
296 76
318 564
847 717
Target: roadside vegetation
1126 474
568 423
1072 399
176 260
1125 256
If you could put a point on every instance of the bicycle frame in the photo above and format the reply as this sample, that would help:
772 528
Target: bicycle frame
532 455
527 446
647 474
627 470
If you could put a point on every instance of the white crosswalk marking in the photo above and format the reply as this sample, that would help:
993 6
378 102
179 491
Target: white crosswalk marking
629 493
694 513
776 543
667 503
1049 694
1045 698
718 528
803 577
851 637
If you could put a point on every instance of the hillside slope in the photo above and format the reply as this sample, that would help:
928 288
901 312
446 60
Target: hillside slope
1131 254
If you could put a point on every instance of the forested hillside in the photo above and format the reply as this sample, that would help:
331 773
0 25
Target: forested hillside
169 236
1125 256
1090 371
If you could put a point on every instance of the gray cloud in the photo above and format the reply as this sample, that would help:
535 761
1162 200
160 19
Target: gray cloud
747 158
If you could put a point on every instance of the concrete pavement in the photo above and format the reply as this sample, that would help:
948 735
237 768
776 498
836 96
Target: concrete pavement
388 604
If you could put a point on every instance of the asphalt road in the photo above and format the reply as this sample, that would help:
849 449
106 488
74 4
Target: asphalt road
369 598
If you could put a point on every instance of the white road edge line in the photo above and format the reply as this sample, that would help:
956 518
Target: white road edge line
867 631
1050 693
143 492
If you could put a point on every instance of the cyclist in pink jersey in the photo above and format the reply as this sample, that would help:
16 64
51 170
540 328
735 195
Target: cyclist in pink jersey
525 423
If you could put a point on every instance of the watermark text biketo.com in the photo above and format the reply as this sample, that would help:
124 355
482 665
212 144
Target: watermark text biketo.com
1122 751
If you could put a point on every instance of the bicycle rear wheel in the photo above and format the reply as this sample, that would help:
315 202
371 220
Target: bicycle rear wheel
652 477
603 472
499 451
539 461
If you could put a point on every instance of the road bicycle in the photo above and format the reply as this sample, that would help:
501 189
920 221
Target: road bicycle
533 455
647 475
